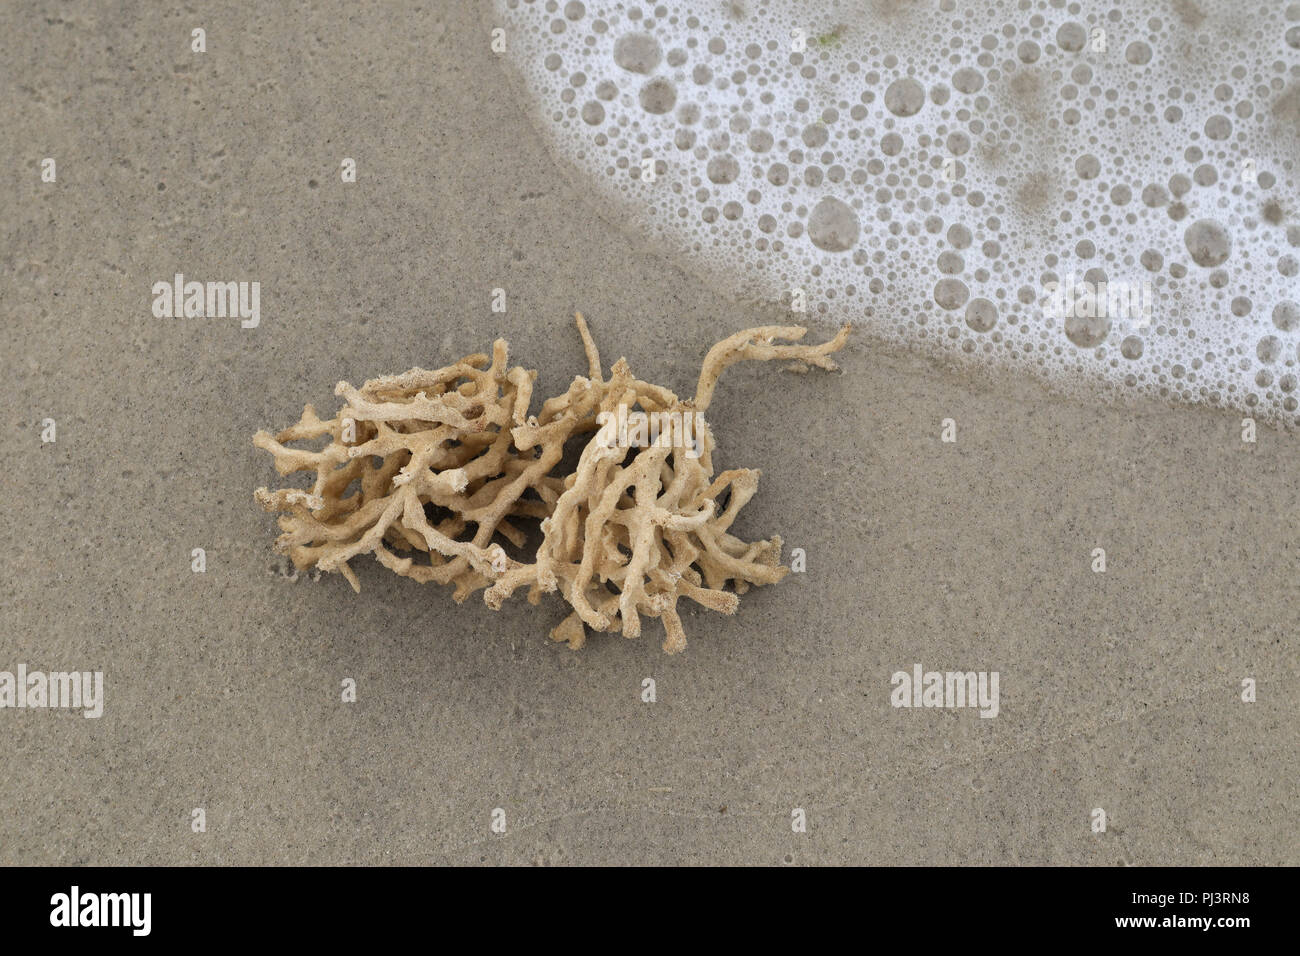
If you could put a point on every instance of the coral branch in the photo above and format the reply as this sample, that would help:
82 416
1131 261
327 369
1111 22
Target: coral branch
431 471
757 345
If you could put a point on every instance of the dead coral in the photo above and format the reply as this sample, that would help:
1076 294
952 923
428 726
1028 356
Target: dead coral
405 442
633 529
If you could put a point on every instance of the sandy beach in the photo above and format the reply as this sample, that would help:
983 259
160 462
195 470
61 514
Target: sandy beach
1119 690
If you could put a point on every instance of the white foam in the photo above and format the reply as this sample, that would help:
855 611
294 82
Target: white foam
930 169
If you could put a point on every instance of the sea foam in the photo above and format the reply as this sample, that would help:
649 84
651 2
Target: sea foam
1103 196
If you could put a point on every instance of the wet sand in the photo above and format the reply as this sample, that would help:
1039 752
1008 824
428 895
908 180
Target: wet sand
1119 690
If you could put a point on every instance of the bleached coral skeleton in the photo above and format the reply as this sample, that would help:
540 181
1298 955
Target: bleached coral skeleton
627 534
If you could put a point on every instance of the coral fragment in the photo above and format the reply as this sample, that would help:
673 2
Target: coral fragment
432 471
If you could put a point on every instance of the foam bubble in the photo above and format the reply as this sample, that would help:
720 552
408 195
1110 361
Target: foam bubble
943 180
833 226
637 52
981 315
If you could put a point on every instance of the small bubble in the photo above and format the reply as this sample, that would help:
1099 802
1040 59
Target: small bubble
967 80
1286 315
981 315
904 97
1218 127
815 135
1131 347
1208 242
658 95
760 140
723 169
1087 166
1269 349
637 52
1087 331
833 225
951 294
1138 53
1071 37
950 263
